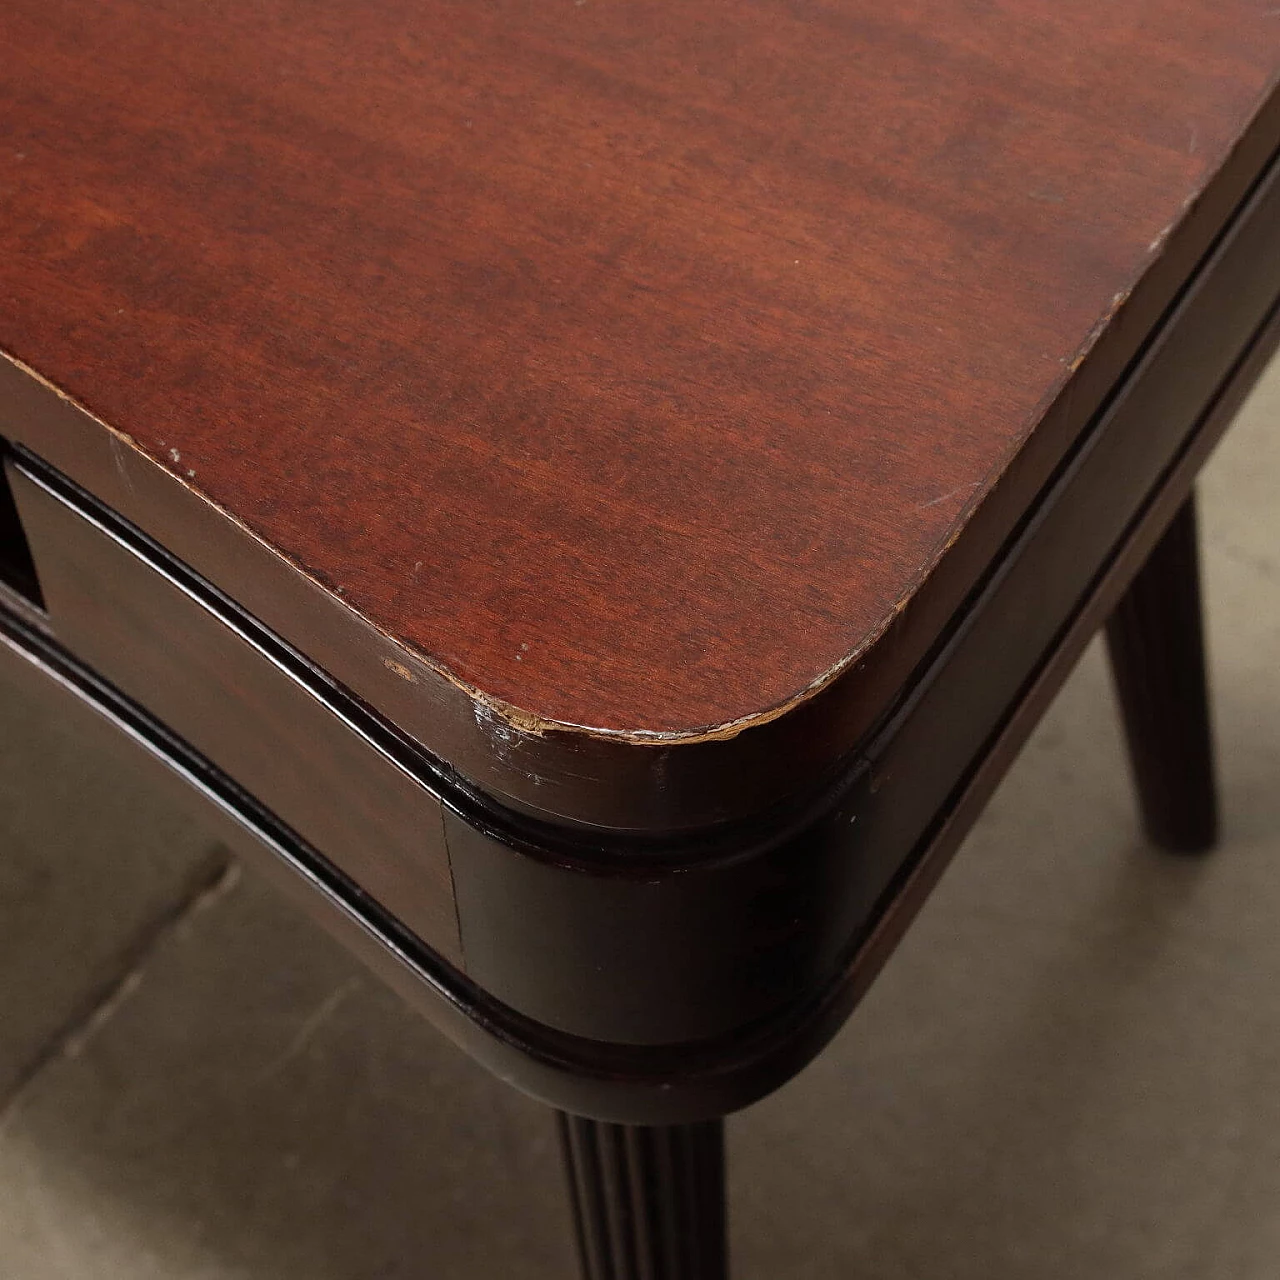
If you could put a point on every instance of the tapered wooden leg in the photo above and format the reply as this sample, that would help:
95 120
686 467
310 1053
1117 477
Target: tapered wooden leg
1156 642
648 1202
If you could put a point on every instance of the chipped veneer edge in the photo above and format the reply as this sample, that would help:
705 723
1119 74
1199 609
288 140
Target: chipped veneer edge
529 722
1062 385
516 717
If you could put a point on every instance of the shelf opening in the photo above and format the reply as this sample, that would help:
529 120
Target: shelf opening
17 569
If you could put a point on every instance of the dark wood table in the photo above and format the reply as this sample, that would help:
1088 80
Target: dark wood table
593 495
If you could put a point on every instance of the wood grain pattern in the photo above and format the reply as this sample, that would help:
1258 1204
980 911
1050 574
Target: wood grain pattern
631 366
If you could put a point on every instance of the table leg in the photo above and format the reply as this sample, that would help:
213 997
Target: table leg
1156 642
648 1201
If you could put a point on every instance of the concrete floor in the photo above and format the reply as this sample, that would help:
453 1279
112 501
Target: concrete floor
1070 1069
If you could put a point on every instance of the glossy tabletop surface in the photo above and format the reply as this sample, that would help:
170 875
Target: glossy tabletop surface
631 364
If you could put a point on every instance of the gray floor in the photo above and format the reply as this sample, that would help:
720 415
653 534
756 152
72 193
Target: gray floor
1070 1069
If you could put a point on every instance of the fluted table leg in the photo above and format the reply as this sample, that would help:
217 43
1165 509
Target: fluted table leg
648 1201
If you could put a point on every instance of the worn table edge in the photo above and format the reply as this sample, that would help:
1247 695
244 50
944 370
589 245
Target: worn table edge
617 777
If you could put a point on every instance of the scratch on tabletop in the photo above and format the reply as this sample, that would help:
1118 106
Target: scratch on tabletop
933 502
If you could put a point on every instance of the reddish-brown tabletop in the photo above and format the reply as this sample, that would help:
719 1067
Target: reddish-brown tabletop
629 368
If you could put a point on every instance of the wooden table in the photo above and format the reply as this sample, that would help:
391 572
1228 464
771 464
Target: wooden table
593 495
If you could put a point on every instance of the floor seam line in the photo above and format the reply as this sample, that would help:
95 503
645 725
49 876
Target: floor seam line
211 879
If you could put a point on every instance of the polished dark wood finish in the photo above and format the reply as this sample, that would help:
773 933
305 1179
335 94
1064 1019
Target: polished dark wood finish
662 1083
1155 639
690 937
612 383
624 1082
253 710
648 1201
592 498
